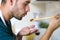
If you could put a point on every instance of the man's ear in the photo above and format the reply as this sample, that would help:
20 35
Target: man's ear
0 5
12 2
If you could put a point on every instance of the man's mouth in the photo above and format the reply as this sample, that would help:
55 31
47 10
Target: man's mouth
24 14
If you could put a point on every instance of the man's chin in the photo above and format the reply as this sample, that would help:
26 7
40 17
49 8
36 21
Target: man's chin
19 18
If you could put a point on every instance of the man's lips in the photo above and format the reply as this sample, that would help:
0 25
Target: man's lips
24 14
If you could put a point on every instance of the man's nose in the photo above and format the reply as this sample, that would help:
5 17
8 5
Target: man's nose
27 8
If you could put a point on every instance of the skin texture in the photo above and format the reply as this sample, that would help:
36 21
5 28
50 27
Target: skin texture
53 25
17 9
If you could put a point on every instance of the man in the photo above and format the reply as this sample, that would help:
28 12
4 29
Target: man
53 25
10 9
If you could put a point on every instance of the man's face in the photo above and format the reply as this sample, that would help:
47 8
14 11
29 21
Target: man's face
20 8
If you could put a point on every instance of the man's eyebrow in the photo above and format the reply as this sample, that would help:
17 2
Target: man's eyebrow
27 1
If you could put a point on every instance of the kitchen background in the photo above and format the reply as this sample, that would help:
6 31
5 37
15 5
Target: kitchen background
44 9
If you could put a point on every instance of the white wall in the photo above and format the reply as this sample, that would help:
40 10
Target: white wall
0 1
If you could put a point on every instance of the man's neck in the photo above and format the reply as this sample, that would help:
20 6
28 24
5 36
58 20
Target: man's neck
7 15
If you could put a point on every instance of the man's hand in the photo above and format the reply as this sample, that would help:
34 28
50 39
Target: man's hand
53 25
27 30
55 22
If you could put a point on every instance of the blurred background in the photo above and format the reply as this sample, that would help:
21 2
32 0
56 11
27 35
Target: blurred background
43 9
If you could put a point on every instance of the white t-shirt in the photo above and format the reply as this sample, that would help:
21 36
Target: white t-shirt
2 17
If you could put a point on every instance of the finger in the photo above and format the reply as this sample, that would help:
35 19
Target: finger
59 21
57 16
27 27
33 26
33 31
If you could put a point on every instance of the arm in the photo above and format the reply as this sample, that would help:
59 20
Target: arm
53 25
47 34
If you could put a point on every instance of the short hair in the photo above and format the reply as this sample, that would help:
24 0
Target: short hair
3 1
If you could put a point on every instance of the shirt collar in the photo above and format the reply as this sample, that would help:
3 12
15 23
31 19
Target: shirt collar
1 15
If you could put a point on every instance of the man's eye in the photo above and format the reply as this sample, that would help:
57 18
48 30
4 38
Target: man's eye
25 4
